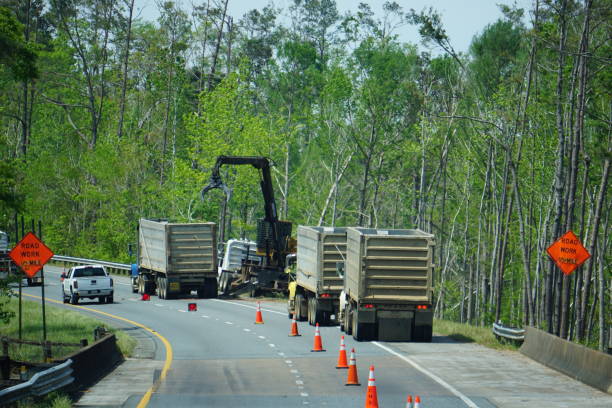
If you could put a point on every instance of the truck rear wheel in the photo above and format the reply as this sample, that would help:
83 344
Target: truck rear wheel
314 314
162 288
363 331
301 309
348 319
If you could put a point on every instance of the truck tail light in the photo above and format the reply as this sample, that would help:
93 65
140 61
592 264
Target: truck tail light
422 307
325 295
368 306
76 284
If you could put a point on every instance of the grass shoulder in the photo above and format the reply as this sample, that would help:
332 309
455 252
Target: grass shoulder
63 326
471 334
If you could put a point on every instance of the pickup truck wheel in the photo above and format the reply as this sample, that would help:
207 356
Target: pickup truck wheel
64 298
102 299
74 299
110 299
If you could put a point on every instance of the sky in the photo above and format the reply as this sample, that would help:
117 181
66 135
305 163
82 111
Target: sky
462 19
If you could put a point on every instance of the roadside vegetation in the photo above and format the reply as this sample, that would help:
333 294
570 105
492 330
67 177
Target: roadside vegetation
52 400
471 334
63 326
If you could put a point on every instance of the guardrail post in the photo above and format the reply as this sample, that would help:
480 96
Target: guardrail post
5 361
47 352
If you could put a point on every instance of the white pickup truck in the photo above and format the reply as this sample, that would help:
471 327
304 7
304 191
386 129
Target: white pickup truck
87 281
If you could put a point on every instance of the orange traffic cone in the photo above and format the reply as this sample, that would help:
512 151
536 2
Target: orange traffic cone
371 396
352 371
342 355
258 317
409 402
417 402
318 344
294 328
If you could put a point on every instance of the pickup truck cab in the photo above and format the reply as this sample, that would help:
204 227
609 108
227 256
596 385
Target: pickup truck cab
87 281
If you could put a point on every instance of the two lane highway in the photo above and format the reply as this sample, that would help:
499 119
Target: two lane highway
220 358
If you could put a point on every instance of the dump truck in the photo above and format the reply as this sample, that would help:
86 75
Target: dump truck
387 290
315 293
175 258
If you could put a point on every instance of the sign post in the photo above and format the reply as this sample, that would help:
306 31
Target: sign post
30 254
568 253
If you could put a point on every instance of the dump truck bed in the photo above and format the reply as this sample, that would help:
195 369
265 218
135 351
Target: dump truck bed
319 249
178 249
389 266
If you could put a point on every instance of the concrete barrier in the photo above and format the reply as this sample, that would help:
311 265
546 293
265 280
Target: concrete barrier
581 363
93 362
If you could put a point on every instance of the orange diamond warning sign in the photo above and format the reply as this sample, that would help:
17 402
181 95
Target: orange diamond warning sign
568 253
30 254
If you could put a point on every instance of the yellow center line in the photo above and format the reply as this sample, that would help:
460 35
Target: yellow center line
147 396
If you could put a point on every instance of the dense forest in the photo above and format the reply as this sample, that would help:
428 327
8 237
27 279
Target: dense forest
106 117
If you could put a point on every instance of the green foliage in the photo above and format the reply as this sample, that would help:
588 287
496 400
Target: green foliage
15 53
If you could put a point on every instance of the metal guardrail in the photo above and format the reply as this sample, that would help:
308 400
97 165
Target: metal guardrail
40 384
113 267
508 333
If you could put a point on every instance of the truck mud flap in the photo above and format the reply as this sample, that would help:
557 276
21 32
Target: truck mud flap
174 285
395 325
423 322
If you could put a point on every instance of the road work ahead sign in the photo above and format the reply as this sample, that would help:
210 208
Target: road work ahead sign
30 254
568 253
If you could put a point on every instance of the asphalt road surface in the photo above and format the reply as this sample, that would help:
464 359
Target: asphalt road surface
220 358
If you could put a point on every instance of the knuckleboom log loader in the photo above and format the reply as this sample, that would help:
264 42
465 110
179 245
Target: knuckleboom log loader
266 272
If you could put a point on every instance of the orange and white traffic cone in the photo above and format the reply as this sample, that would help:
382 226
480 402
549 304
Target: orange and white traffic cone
417 402
371 395
318 344
258 317
342 355
294 328
409 402
352 371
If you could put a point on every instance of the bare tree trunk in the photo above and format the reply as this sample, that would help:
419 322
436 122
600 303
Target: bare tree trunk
217 46
593 245
559 168
230 31
126 57
341 168
603 330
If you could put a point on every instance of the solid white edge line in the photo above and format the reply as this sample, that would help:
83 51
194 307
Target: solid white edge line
434 377
250 307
